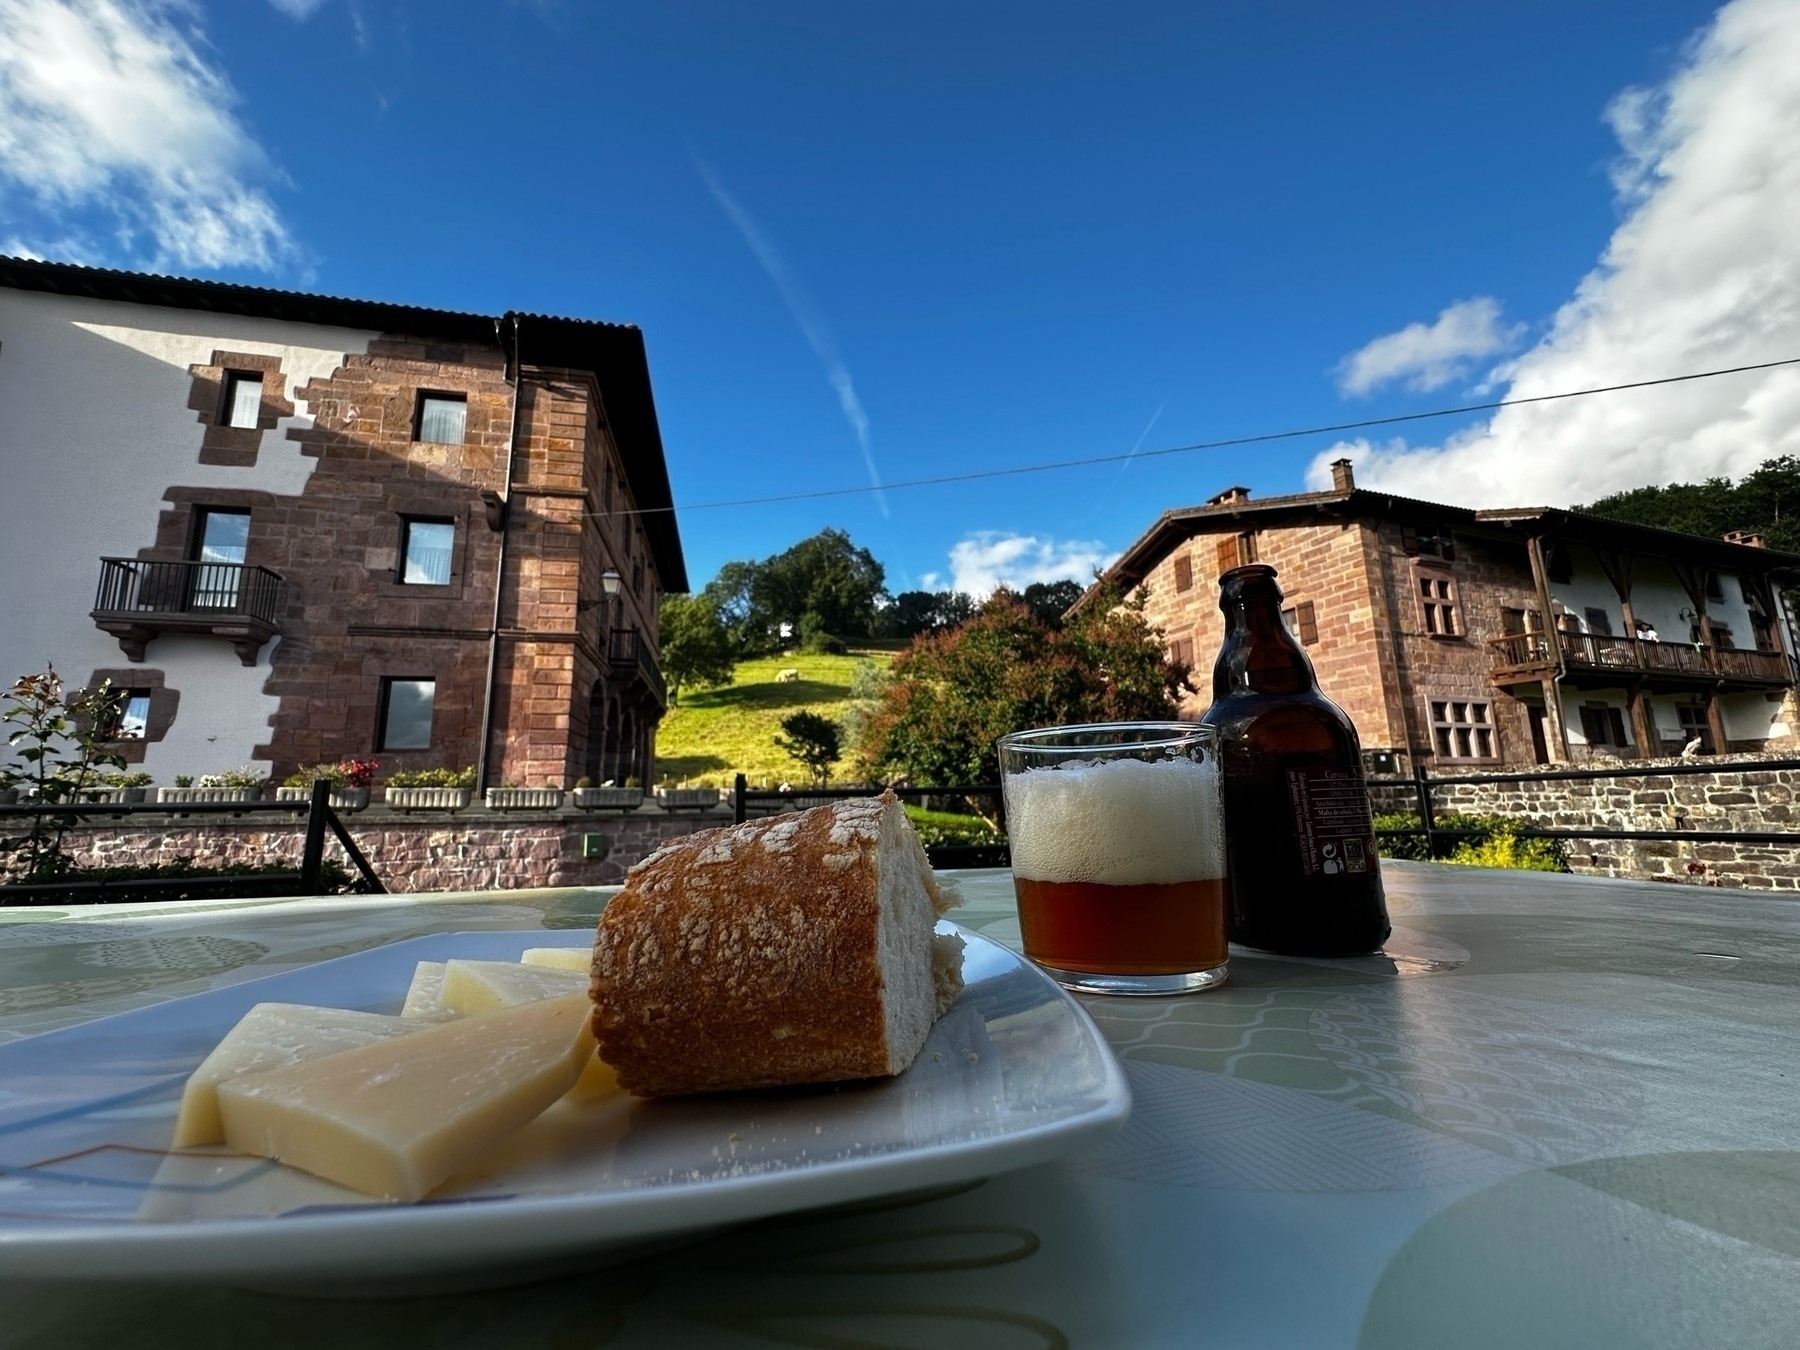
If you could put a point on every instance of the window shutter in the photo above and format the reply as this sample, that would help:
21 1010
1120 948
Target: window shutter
1617 719
1246 550
1184 573
1409 540
1228 553
1306 618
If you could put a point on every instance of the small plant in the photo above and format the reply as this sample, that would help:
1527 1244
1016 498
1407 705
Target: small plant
633 782
184 780
245 777
584 782
137 778
63 757
346 773
432 778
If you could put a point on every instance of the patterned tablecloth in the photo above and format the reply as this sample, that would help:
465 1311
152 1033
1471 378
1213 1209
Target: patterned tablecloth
1560 1112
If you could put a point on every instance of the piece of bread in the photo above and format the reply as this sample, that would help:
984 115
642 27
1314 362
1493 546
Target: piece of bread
794 949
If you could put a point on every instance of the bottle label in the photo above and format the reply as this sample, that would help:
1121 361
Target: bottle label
1331 821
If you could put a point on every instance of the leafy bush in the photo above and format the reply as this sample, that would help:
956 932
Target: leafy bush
348 773
138 778
938 828
245 777
436 778
1536 855
1504 848
867 681
822 644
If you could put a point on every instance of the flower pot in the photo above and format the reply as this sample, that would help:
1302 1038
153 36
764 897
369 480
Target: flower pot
124 794
687 799
342 798
607 799
178 795
427 798
524 799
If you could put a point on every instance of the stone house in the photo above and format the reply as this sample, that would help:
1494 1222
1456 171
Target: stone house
1482 639
298 528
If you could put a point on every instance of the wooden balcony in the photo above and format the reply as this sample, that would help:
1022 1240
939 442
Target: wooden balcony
1525 657
139 600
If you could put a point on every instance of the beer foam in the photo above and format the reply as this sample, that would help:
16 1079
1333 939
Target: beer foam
1119 822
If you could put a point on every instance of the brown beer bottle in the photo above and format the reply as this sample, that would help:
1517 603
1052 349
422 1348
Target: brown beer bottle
1300 843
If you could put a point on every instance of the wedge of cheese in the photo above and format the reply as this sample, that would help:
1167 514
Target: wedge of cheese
560 958
482 986
424 995
271 1036
398 1118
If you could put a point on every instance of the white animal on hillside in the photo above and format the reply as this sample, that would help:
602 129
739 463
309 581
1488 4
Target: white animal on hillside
787 676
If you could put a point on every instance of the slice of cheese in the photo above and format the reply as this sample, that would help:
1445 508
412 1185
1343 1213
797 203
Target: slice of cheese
398 1118
270 1036
424 996
560 958
482 986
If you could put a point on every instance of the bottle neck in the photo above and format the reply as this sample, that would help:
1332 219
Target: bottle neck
1259 655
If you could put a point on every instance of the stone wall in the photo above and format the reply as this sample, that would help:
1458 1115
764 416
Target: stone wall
1733 793
421 851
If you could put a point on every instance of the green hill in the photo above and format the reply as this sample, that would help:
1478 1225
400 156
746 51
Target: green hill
713 734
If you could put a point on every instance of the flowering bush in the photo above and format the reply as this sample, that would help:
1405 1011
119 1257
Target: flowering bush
246 777
347 773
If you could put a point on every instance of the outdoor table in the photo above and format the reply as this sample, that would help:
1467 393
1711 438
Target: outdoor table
1560 1111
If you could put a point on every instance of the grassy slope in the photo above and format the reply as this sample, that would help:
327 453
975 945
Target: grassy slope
713 734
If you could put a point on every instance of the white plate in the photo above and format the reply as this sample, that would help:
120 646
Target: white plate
1014 1074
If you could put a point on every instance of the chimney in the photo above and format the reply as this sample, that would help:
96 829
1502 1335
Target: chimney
1748 538
1342 479
1231 496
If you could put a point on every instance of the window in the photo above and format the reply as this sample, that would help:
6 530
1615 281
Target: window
1431 541
1694 725
1763 632
1302 621
1512 620
1715 589
425 548
1598 621
406 714
607 491
1437 602
131 718
1462 730
1236 550
221 540
1184 573
1181 652
442 418
243 399
1603 724
1722 638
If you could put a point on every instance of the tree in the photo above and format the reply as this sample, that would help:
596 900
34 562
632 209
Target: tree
825 584
58 740
952 695
1755 503
1050 600
915 612
695 644
814 740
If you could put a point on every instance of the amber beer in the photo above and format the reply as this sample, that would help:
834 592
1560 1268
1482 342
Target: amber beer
1118 855
1299 838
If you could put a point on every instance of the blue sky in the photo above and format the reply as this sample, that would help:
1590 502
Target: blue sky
918 238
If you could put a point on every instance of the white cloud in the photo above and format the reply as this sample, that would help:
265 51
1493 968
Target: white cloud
983 562
1702 273
812 321
1430 355
298 9
110 105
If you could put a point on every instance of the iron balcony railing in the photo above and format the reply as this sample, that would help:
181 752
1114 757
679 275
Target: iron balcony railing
1598 651
139 588
627 651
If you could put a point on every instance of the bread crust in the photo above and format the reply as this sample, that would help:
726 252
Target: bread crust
747 957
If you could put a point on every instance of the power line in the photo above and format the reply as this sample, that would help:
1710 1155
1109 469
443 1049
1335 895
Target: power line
1262 438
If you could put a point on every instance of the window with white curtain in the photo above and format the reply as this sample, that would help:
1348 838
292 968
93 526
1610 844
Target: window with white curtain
442 418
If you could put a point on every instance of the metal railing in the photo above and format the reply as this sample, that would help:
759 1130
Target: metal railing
308 880
138 587
627 649
1600 651
998 854
1422 784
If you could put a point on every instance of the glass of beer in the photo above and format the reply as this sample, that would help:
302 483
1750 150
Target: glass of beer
1118 854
